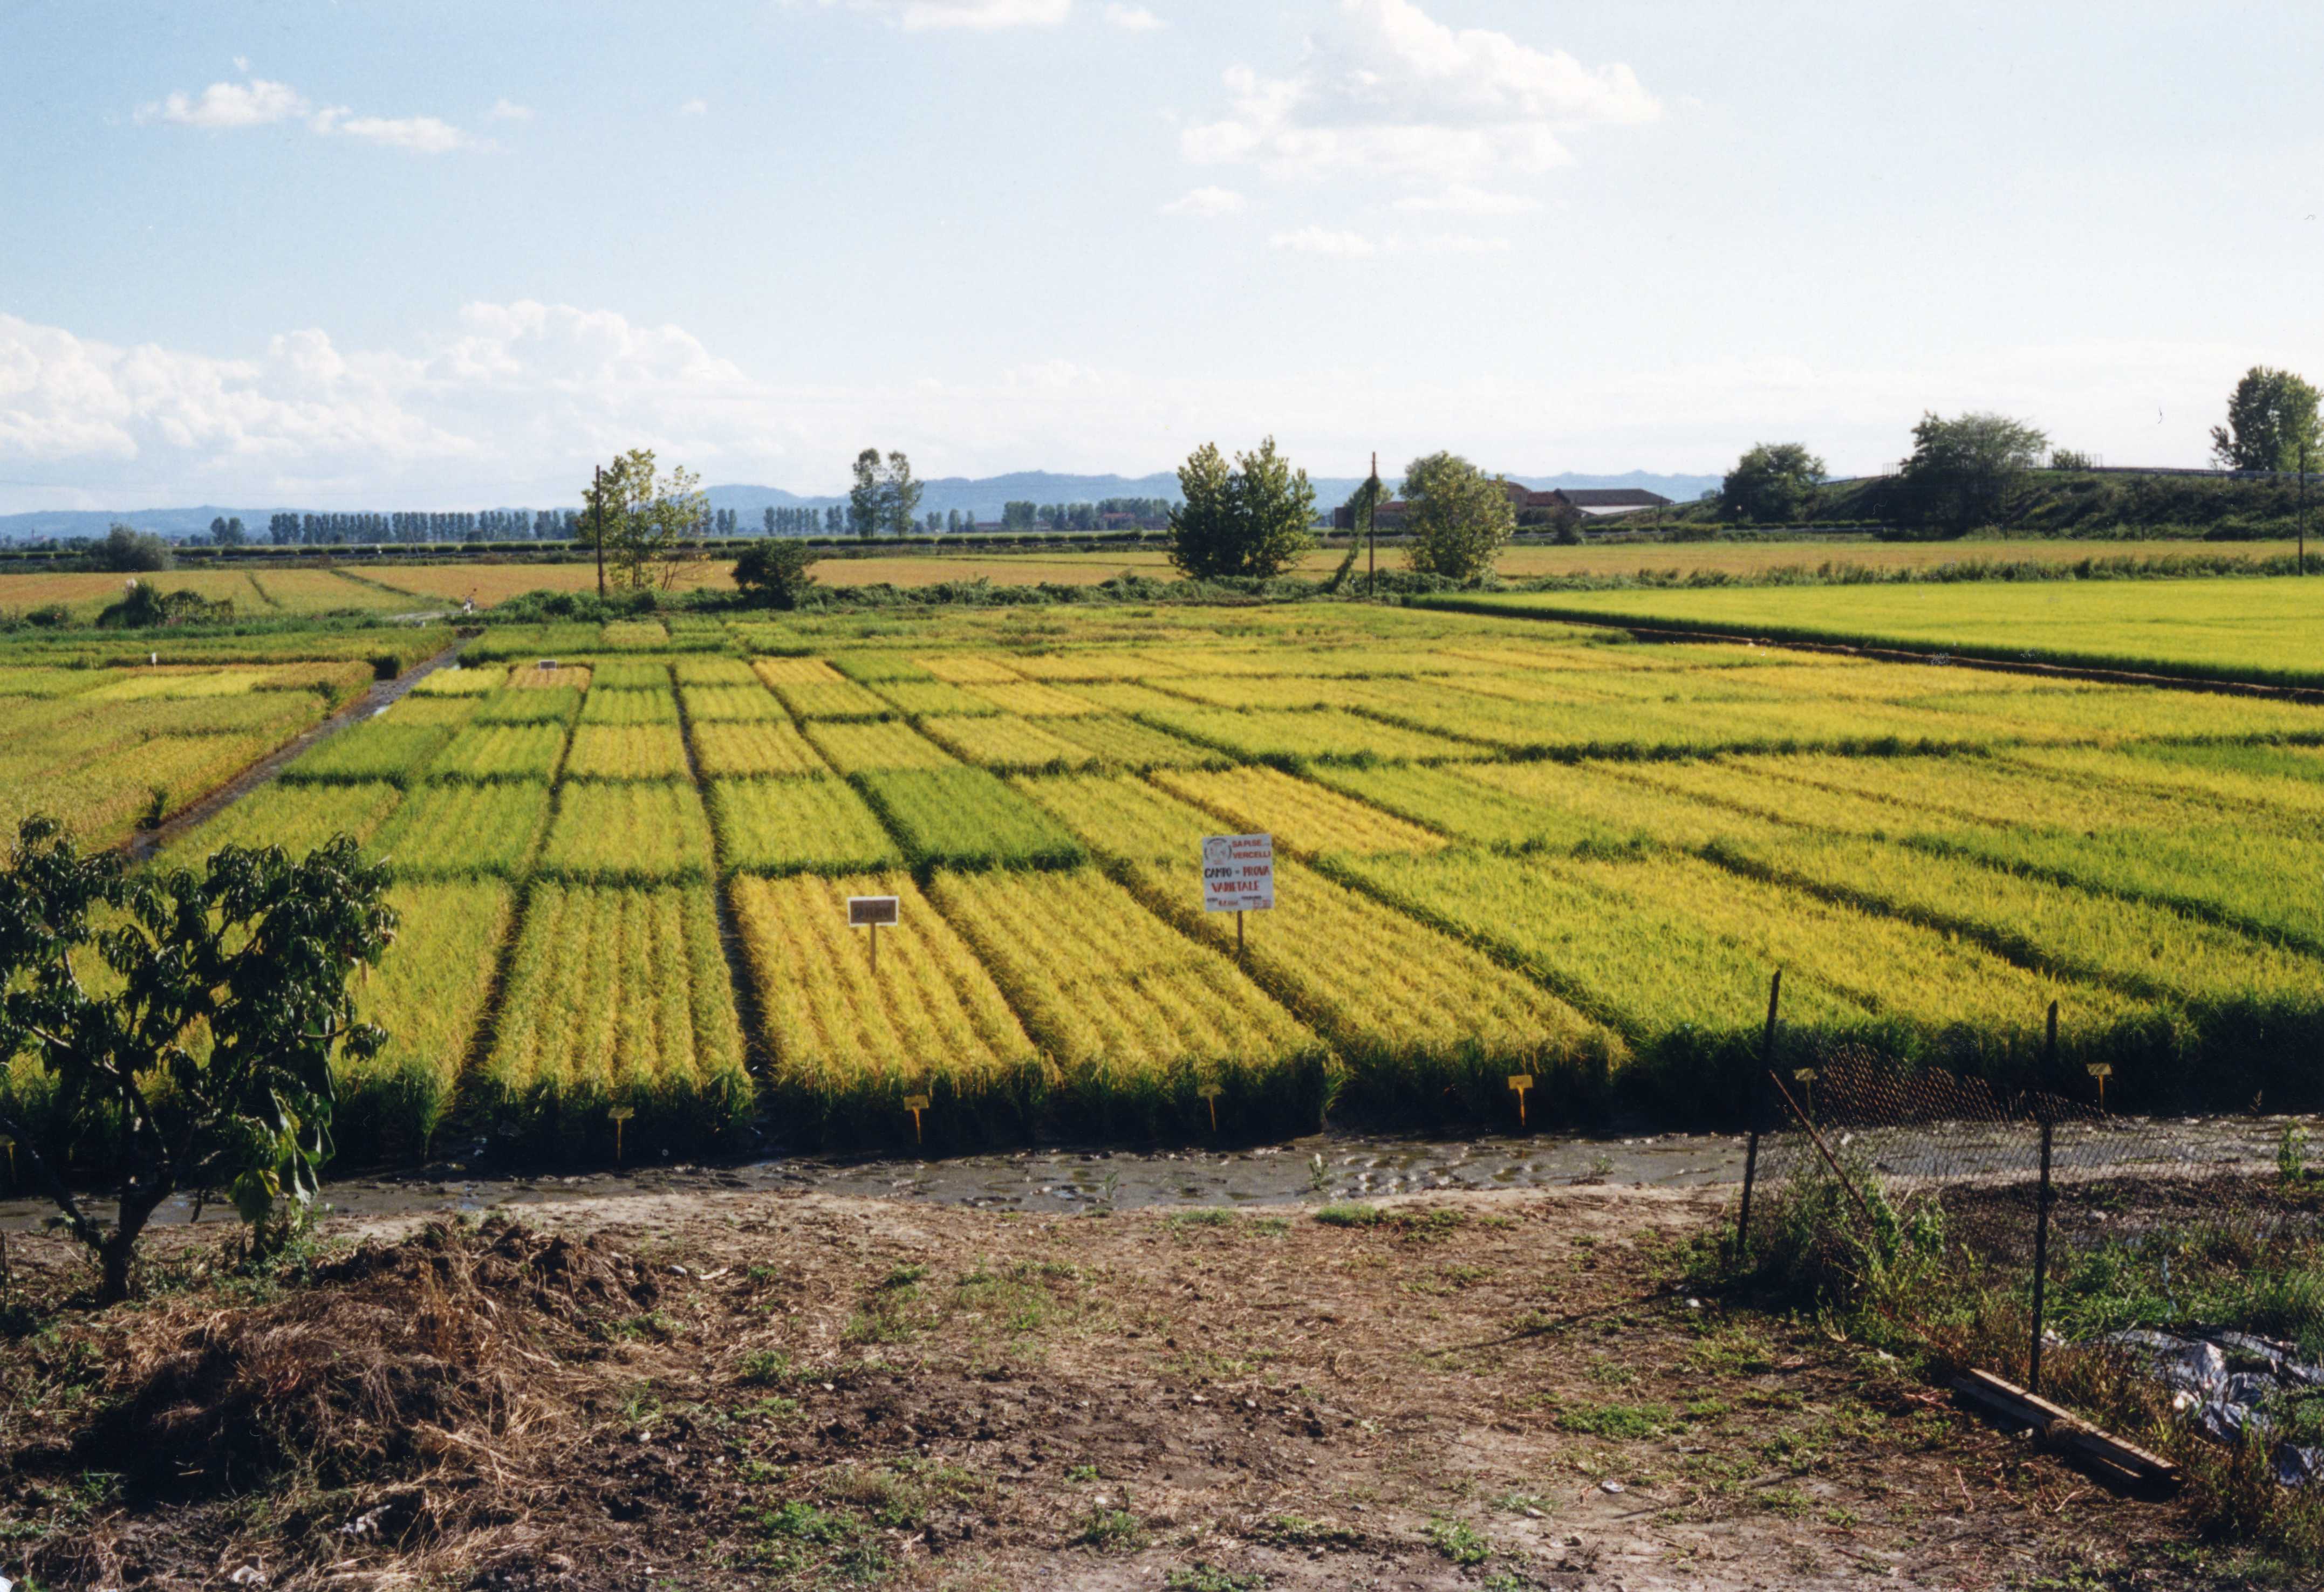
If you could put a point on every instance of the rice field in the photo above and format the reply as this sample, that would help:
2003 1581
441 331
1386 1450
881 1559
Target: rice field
1504 846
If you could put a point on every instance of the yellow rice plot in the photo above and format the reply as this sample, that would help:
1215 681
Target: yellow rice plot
870 748
1305 818
534 677
429 993
646 832
796 671
1033 699
744 747
841 700
970 670
931 1017
1122 1003
1005 743
626 751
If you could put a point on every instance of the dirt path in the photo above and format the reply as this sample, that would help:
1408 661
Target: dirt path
746 1389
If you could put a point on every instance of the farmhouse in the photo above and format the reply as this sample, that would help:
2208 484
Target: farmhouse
1535 508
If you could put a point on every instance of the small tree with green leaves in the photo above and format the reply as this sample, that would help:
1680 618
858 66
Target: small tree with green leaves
1257 519
186 1024
649 523
1774 484
2271 423
1459 518
775 570
1964 470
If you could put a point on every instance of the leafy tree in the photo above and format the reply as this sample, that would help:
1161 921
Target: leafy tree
1964 470
863 497
1017 516
900 496
2069 459
126 547
646 523
1459 518
1256 518
1774 483
202 1058
2271 423
775 570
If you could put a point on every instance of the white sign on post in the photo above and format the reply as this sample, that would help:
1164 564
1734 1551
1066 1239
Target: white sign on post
1239 873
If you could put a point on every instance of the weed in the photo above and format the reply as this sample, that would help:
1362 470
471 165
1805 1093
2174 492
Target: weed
1293 1530
1616 1421
1352 1216
1180 1220
1108 1531
1204 1577
1083 1473
769 1368
1458 1542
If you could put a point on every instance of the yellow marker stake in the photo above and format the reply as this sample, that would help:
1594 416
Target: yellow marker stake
1209 1091
1518 1083
916 1104
620 1114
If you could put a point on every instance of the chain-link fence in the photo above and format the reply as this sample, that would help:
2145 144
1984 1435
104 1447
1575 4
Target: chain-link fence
2021 1233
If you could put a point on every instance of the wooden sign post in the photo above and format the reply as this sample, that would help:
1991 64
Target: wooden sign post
1239 876
915 1104
870 912
620 1114
1806 1077
2101 1071
1518 1083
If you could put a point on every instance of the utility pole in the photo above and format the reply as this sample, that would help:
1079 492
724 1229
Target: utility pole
2304 505
1371 530
597 519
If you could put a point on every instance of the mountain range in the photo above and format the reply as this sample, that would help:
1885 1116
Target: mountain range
983 497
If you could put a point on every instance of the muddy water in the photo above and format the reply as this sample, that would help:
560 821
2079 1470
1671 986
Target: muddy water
1355 1166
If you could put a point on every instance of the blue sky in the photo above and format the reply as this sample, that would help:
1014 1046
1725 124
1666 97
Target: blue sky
422 255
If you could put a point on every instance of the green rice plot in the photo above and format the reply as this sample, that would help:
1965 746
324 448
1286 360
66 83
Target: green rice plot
297 817
530 752
752 747
841 699
618 997
554 705
608 705
626 751
1329 735
376 749
429 993
461 829
814 825
964 817
728 704
866 749
930 698
646 832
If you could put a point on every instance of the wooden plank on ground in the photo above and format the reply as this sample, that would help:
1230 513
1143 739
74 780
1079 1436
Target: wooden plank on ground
2063 1430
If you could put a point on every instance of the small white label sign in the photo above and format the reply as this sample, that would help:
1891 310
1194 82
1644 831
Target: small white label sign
871 911
1239 873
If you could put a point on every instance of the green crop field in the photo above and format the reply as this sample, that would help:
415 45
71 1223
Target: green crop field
1505 845
2261 628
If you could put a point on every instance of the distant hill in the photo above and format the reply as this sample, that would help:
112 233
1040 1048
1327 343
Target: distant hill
982 497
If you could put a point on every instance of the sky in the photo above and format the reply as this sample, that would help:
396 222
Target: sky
430 253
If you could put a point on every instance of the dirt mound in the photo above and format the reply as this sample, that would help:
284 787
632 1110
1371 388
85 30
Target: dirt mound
400 1361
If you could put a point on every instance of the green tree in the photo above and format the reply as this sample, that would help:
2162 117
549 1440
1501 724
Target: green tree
775 570
899 497
1964 470
1257 519
863 497
203 1059
2271 423
1458 516
1774 483
648 524
127 548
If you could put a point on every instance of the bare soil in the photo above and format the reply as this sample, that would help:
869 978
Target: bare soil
744 1390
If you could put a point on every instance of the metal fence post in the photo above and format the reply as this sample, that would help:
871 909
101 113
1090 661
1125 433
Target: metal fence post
1753 1110
2042 1208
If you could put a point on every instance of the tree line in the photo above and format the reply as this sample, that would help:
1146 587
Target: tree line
1964 470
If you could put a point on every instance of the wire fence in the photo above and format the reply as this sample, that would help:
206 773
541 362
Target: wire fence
2191 1250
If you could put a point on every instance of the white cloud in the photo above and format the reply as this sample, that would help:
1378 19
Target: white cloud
1206 201
918 16
1388 91
224 106
1324 240
1136 18
1454 242
424 135
694 107
508 110
1462 199
254 104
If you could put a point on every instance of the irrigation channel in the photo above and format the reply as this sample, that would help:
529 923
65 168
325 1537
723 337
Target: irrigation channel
1063 1180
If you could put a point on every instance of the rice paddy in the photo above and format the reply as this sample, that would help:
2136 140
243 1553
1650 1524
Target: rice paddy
1504 847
